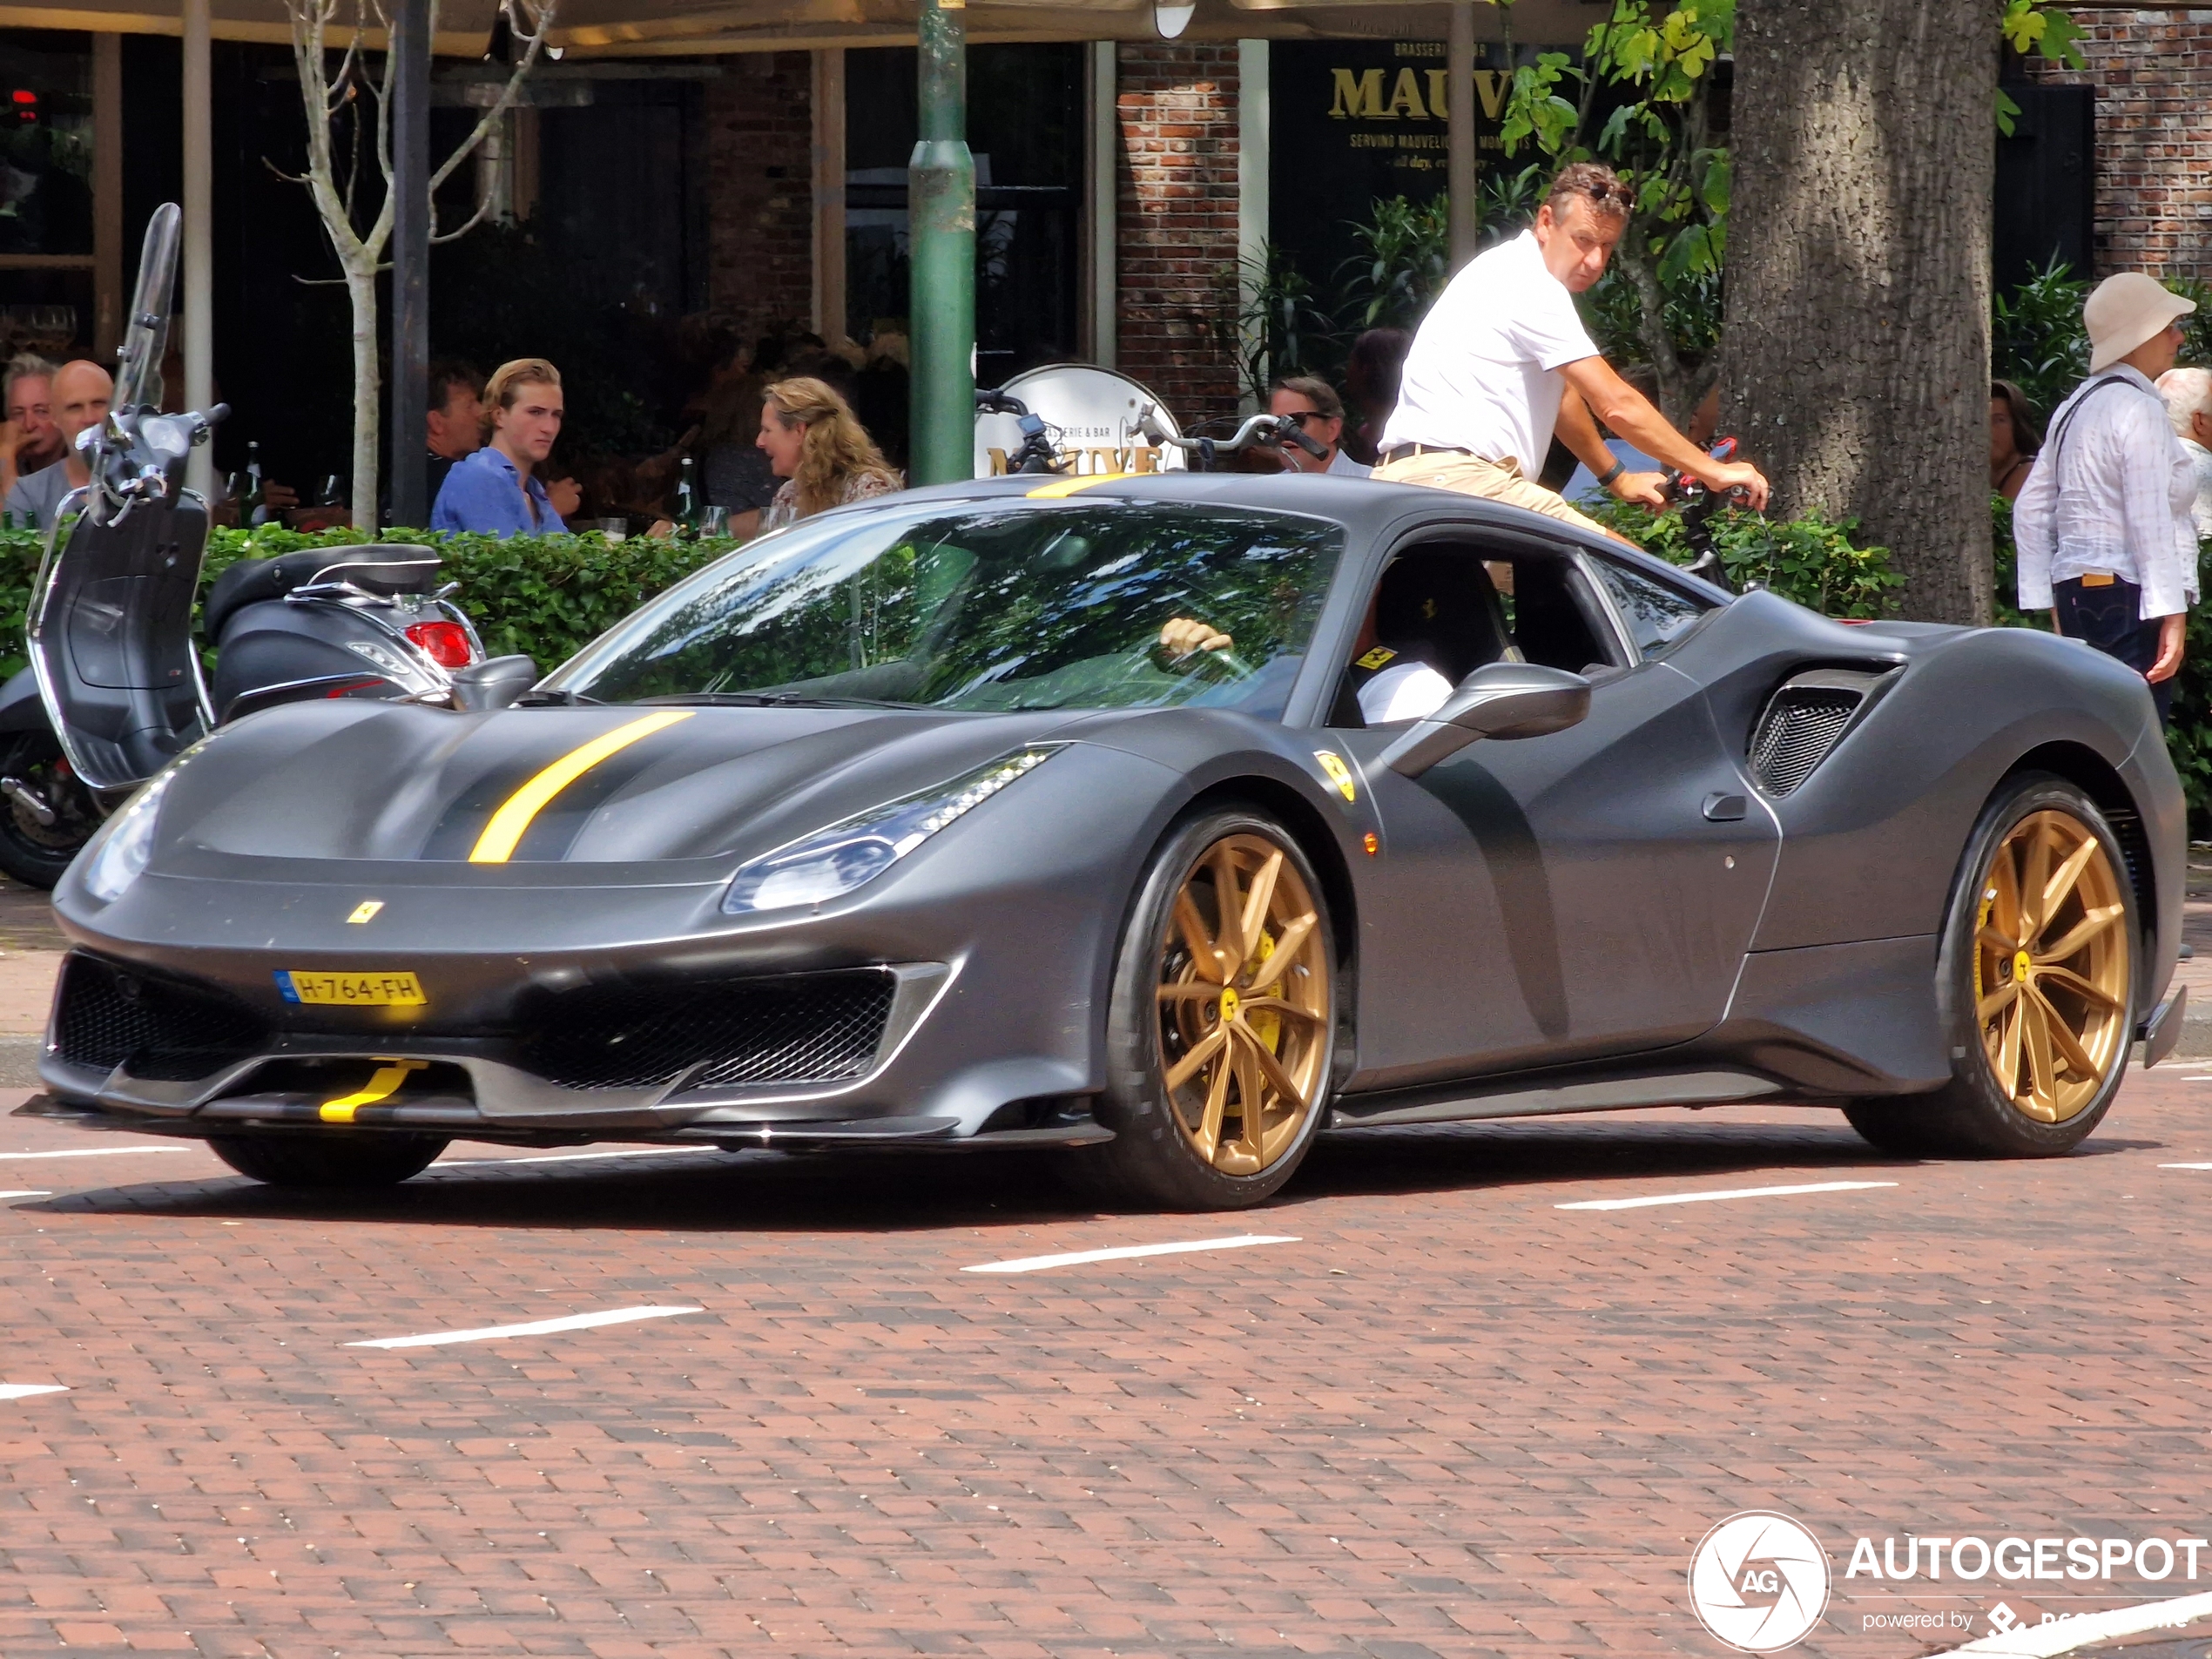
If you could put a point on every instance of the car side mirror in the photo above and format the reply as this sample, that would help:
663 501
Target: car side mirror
492 684
1499 700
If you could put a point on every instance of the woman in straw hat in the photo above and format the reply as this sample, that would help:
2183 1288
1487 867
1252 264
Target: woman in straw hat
2103 527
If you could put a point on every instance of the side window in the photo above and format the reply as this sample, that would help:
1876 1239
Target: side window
1556 621
1657 613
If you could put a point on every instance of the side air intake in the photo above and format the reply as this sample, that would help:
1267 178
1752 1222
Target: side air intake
1801 723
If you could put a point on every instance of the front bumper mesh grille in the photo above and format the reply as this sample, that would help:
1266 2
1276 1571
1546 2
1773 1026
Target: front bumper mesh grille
804 1028
156 1029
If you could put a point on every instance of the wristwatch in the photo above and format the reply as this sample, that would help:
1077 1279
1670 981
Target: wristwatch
1612 472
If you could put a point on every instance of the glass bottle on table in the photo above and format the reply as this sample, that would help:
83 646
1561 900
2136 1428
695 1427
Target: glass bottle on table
687 500
253 506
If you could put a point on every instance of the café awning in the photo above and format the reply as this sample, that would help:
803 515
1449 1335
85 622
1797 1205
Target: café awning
625 28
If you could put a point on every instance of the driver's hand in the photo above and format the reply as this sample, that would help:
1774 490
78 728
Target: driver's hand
1740 475
1645 489
1180 636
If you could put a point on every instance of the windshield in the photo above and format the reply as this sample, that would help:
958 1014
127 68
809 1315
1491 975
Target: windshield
984 608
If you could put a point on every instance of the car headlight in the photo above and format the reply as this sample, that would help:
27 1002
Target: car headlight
126 843
833 861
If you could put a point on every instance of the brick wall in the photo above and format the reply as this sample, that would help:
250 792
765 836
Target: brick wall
759 160
1177 223
2153 72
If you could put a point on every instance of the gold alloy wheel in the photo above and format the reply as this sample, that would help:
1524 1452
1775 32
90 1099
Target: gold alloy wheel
1245 1002
2051 968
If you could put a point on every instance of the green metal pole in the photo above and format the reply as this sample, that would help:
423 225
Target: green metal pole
940 215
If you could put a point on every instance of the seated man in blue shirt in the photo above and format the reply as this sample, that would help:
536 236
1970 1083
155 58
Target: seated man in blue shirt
497 492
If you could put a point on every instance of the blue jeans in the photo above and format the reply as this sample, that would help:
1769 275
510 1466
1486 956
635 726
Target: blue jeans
2108 618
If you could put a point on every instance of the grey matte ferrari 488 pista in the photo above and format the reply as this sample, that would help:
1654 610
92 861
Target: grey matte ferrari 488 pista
1062 816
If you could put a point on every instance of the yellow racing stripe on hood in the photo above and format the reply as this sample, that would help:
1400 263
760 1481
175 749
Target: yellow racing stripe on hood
496 845
1068 486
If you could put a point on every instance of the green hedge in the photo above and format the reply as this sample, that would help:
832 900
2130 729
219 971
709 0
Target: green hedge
1811 560
545 597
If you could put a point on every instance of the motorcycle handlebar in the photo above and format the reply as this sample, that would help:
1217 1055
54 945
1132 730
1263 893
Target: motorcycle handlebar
1256 430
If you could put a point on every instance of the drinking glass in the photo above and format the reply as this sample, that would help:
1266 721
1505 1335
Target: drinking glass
614 530
714 522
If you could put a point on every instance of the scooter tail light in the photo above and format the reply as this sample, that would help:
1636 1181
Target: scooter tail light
445 643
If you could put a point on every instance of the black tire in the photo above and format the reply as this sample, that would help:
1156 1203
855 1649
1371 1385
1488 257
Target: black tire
1154 1162
1976 1114
329 1162
39 854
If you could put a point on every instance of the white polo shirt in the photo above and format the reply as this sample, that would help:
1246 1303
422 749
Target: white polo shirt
1482 374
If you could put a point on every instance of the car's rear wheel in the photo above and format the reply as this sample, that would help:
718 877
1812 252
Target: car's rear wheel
335 1160
1222 1028
2035 980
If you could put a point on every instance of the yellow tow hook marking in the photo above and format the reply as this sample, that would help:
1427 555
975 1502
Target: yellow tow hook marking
366 910
496 845
390 1074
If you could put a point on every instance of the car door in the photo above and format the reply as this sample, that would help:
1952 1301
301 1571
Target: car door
1584 893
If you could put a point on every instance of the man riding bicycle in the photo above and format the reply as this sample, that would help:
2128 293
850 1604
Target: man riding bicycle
1488 376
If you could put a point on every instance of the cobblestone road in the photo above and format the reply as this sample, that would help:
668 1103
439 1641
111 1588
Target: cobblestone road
1451 1418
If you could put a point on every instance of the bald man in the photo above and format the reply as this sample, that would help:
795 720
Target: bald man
80 395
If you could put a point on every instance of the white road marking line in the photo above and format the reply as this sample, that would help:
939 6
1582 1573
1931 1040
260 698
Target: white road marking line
25 1390
1733 1192
95 1152
28 1192
534 1328
1128 1253
2185 1166
573 1158
2048 1640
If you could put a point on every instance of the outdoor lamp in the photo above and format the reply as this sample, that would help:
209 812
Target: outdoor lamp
1172 17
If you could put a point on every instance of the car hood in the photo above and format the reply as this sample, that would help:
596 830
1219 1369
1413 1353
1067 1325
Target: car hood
611 785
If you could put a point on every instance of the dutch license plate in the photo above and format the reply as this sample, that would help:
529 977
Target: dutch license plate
351 990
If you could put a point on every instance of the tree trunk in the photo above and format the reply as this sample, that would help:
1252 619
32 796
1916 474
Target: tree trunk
360 289
1857 308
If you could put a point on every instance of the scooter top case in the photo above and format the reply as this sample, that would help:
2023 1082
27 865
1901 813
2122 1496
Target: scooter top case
323 621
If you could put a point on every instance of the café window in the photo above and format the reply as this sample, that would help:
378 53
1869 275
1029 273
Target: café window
46 183
1025 129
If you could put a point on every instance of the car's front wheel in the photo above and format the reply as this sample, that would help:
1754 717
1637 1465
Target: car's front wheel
335 1160
2035 980
1222 1028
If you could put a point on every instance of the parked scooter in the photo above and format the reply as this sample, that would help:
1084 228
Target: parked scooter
115 689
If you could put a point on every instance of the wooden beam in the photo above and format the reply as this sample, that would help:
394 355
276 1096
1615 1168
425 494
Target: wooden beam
107 194
829 194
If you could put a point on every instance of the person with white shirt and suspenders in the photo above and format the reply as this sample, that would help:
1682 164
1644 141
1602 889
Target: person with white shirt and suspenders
2103 528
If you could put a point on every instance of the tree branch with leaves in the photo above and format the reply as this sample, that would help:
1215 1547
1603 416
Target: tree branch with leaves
352 100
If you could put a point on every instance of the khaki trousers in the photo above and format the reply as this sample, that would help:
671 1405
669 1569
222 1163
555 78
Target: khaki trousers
1493 480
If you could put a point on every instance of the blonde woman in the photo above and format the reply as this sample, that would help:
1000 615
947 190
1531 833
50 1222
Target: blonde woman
824 456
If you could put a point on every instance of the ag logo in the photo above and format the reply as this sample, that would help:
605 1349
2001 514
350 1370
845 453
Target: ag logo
1759 1581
